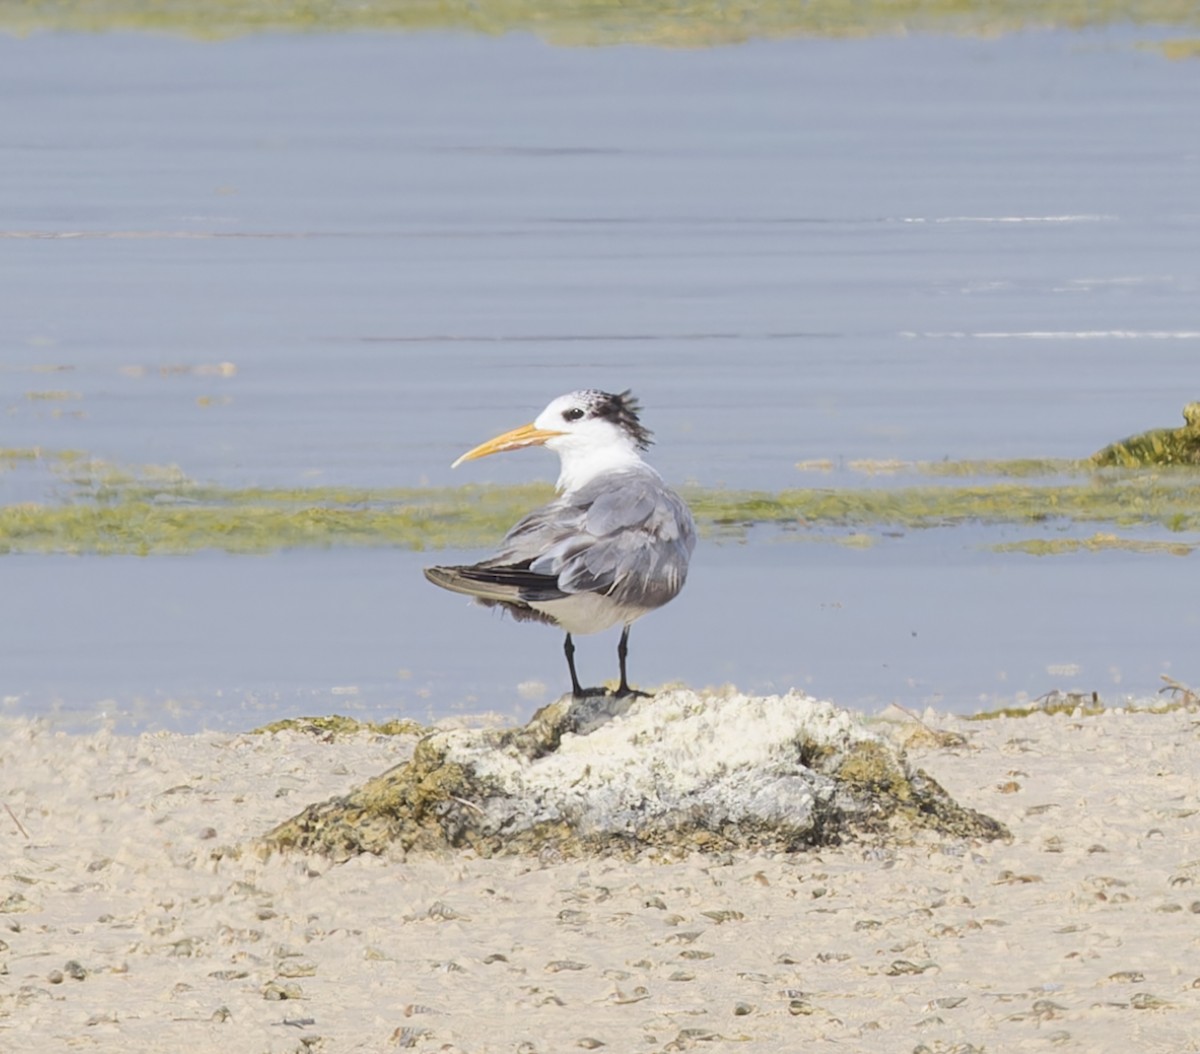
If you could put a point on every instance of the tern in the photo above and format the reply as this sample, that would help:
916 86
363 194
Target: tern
611 547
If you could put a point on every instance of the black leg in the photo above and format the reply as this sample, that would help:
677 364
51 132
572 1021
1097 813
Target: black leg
569 649
622 652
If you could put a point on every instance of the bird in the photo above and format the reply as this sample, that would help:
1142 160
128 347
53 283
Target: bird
612 546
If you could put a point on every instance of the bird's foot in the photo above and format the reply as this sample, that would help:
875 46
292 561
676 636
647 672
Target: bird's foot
624 692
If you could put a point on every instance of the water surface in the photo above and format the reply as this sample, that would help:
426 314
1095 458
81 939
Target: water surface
895 248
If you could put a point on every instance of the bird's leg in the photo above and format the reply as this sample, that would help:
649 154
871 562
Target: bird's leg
569 648
623 651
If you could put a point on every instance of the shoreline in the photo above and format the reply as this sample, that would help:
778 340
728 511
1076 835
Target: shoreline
123 930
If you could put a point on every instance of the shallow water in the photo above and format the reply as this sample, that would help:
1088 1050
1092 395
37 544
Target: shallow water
898 248
219 641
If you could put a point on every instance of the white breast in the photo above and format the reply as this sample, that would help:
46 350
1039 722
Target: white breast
588 612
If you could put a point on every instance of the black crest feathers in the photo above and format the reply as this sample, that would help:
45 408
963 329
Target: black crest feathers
622 410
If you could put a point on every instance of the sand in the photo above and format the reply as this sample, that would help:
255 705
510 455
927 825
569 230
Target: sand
128 924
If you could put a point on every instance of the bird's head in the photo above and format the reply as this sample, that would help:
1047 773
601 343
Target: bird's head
590 430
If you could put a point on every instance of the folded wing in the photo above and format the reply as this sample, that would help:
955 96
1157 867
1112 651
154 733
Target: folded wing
624 534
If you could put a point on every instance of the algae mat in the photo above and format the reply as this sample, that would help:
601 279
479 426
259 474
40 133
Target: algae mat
100 508
689 24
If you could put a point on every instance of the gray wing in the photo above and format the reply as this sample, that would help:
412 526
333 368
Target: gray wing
625 534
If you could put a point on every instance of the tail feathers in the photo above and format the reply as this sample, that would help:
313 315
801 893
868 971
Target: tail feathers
512 585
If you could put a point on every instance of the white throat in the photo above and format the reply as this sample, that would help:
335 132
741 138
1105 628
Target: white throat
580 465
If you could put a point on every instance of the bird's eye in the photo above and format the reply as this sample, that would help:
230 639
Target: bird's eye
573 414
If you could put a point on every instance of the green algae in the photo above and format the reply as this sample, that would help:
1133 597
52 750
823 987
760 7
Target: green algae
1160 446
438 520
409 806
1177 50
995 468
1089 704
1096 543
11 458
1017 468
100 507
911 798
1120 498
334 725
1069 704
685 23
54 395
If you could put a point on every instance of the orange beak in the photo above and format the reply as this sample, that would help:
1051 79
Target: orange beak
526 435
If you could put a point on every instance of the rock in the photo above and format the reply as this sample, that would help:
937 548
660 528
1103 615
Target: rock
669 773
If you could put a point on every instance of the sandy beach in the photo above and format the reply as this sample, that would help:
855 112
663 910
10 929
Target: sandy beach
130 921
